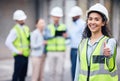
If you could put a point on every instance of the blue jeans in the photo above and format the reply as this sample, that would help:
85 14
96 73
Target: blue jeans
73 56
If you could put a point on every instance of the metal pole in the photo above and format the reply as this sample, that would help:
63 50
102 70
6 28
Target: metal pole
64 2
36 9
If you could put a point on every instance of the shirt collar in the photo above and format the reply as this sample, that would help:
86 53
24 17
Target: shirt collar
89 43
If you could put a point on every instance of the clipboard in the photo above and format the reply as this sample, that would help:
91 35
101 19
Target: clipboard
59 33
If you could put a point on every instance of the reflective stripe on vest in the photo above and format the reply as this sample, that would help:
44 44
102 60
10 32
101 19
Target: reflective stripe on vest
56 43
22 42
101 68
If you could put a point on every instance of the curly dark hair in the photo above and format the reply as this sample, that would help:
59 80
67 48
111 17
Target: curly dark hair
105 29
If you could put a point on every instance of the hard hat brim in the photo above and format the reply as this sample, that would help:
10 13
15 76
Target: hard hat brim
56 15
22 18
72 15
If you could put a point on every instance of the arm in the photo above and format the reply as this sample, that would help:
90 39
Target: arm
47 34
34 43
111 44
9 41
77 69
109 50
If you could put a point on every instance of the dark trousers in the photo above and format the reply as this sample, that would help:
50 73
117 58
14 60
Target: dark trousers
73 56
20 68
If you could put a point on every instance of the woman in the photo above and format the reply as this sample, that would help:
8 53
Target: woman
97 50
37 46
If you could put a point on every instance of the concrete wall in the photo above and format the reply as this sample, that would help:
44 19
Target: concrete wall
116 20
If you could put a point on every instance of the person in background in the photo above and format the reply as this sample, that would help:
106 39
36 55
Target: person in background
18 41
97 51
56 46
37 47
75 35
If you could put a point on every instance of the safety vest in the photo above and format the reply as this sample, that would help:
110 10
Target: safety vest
22 41
56 43
101 68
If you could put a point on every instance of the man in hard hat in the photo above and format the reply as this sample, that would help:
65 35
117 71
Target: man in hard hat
75 33
18 42
56 44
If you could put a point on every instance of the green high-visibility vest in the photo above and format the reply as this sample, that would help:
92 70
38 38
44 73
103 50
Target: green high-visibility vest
22 41
101 67
56 43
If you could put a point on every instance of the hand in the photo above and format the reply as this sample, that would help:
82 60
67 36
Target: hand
65 35
20 52
106 50
44 42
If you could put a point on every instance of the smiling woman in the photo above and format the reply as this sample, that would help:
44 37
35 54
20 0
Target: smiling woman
97 50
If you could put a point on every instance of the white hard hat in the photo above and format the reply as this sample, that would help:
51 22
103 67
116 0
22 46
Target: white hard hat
75 11
57 11
99 8
19 15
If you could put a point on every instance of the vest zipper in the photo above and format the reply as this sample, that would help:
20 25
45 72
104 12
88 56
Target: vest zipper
88 76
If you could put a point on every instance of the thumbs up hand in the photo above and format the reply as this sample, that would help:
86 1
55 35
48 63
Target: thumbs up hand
106 50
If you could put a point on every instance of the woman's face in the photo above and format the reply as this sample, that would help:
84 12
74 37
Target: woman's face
95 22
41 24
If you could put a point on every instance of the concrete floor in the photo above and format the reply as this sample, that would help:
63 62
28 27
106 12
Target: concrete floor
6 69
